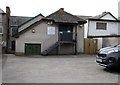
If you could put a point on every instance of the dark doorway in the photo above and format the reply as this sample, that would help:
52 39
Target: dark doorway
65 32
34 49
13 45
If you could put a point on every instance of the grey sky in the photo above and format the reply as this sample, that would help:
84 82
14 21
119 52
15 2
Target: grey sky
46 7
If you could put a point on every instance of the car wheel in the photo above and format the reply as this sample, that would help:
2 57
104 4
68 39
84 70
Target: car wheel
110 62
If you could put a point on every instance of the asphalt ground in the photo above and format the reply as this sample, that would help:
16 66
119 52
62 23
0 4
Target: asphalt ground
55 69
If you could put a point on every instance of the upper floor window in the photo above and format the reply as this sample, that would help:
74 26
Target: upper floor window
13 30
101 26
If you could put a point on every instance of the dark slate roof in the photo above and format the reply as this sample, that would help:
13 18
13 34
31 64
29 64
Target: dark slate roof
18 20
31 19
24 30
62 16
83 17
101 15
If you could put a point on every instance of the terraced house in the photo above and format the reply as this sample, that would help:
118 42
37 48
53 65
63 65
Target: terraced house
4 28
104 27
14 23
1 26
58 33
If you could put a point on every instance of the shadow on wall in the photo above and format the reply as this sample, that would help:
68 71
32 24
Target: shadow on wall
110 41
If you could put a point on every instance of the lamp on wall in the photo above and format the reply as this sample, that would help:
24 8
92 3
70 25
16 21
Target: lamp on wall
81 26
50 22
33 30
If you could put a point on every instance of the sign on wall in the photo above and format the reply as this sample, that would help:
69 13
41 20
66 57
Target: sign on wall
51 31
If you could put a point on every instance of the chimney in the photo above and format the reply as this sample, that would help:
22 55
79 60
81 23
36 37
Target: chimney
61 9
7 30
104 12
7 11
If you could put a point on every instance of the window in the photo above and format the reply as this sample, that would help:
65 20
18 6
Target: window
14 30
13 45
101 26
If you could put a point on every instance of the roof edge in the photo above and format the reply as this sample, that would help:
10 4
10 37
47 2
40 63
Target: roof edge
30 20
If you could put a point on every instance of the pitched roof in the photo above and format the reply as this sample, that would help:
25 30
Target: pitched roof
102 15
62 16
18 20
31 19
29 26
59 16
83 17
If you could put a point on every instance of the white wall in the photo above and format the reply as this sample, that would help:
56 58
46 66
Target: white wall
112 28
40 36
108 17
99 43
85 29
80 39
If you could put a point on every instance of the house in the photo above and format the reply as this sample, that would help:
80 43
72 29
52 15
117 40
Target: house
14 23
1 30
4 25
104 27
1 26
58 33
86 24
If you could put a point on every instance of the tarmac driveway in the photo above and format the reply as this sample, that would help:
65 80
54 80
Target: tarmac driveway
55 69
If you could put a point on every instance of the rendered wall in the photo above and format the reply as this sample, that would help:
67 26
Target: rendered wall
40 36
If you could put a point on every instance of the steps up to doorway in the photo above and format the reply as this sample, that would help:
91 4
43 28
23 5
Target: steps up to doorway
45 52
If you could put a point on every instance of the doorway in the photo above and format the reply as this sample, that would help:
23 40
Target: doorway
65 32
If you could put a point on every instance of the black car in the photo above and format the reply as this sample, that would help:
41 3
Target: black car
109 57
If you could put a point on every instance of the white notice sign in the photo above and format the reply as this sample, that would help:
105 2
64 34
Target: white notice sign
51 30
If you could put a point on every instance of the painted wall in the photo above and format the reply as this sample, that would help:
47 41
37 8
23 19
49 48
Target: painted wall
110 41
112 28
108 17
80 39
40 36
85 29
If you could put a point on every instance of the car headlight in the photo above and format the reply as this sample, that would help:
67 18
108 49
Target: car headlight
111 51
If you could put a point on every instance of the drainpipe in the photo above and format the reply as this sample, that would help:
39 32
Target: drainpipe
75 39
7 28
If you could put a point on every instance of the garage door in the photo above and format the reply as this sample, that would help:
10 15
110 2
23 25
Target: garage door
33 49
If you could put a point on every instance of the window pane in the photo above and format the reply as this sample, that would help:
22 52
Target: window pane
101 26
14 30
